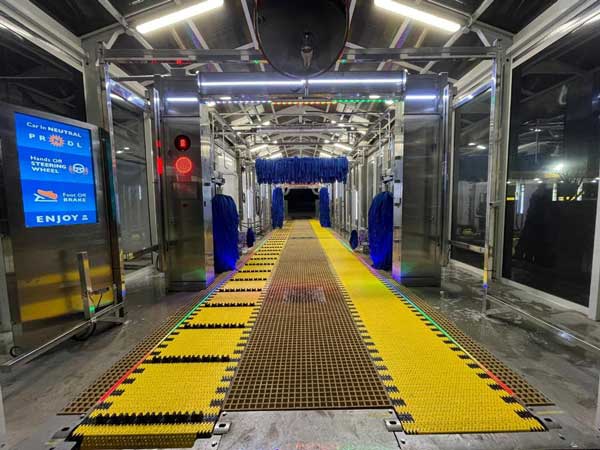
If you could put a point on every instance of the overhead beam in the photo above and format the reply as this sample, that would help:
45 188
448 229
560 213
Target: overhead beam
109 7
554 23
251 29
467 20
351 9
401 30
482 8
29 22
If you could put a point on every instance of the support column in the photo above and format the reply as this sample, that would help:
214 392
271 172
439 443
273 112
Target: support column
187 185
397 148
97 87
497 168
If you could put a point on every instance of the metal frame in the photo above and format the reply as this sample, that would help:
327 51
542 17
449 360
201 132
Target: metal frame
559 20
497 163
245 56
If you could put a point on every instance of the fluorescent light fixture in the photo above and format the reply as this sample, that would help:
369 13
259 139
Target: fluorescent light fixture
182 99
266 123
259 147
225 97
179 16
418 15
472 144
421 97
334 122
275 155
327 141
253 83
481 147
126 148
374 96
342 146
210 104
119 152
274 142
357 81
389 102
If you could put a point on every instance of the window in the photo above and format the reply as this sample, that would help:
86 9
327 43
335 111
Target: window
554 152
470 175
132 178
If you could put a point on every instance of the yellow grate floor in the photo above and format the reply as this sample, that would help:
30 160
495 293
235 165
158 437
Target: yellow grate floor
175 395
435 386
204 341
226 315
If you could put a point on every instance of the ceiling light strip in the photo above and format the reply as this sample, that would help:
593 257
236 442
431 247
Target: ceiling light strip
179 16
418 15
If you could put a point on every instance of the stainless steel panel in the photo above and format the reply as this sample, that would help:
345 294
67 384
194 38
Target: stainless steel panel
41 263
420 141
187 208
397 161
421 201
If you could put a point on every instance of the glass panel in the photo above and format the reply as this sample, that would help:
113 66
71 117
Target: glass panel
471 141
553 168
132 178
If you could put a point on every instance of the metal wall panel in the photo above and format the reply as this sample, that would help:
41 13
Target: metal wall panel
187 208
420 141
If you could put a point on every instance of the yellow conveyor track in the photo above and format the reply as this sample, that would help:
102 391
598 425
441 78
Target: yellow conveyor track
174 395
176 392
434 385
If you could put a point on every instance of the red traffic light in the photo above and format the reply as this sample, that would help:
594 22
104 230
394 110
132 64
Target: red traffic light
184 165
183 143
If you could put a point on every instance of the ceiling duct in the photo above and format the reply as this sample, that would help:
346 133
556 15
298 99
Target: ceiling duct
301 38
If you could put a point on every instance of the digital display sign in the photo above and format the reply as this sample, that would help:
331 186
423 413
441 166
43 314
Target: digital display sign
57 172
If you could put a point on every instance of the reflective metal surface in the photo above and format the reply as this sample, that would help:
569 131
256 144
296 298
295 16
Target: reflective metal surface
419 166
187 188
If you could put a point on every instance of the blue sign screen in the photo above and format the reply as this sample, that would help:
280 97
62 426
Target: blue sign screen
57 172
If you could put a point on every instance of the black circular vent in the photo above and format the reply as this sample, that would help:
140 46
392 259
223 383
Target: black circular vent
301 38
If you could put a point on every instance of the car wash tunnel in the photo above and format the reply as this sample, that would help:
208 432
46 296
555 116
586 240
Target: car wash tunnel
300 225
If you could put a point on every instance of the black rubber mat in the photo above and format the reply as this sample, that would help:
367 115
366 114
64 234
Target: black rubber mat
305 351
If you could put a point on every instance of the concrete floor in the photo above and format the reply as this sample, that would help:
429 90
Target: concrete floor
563 369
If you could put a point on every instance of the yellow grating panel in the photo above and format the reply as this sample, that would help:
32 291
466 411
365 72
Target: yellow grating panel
226 315
235 297
205 341
437 390
176 395
169 388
